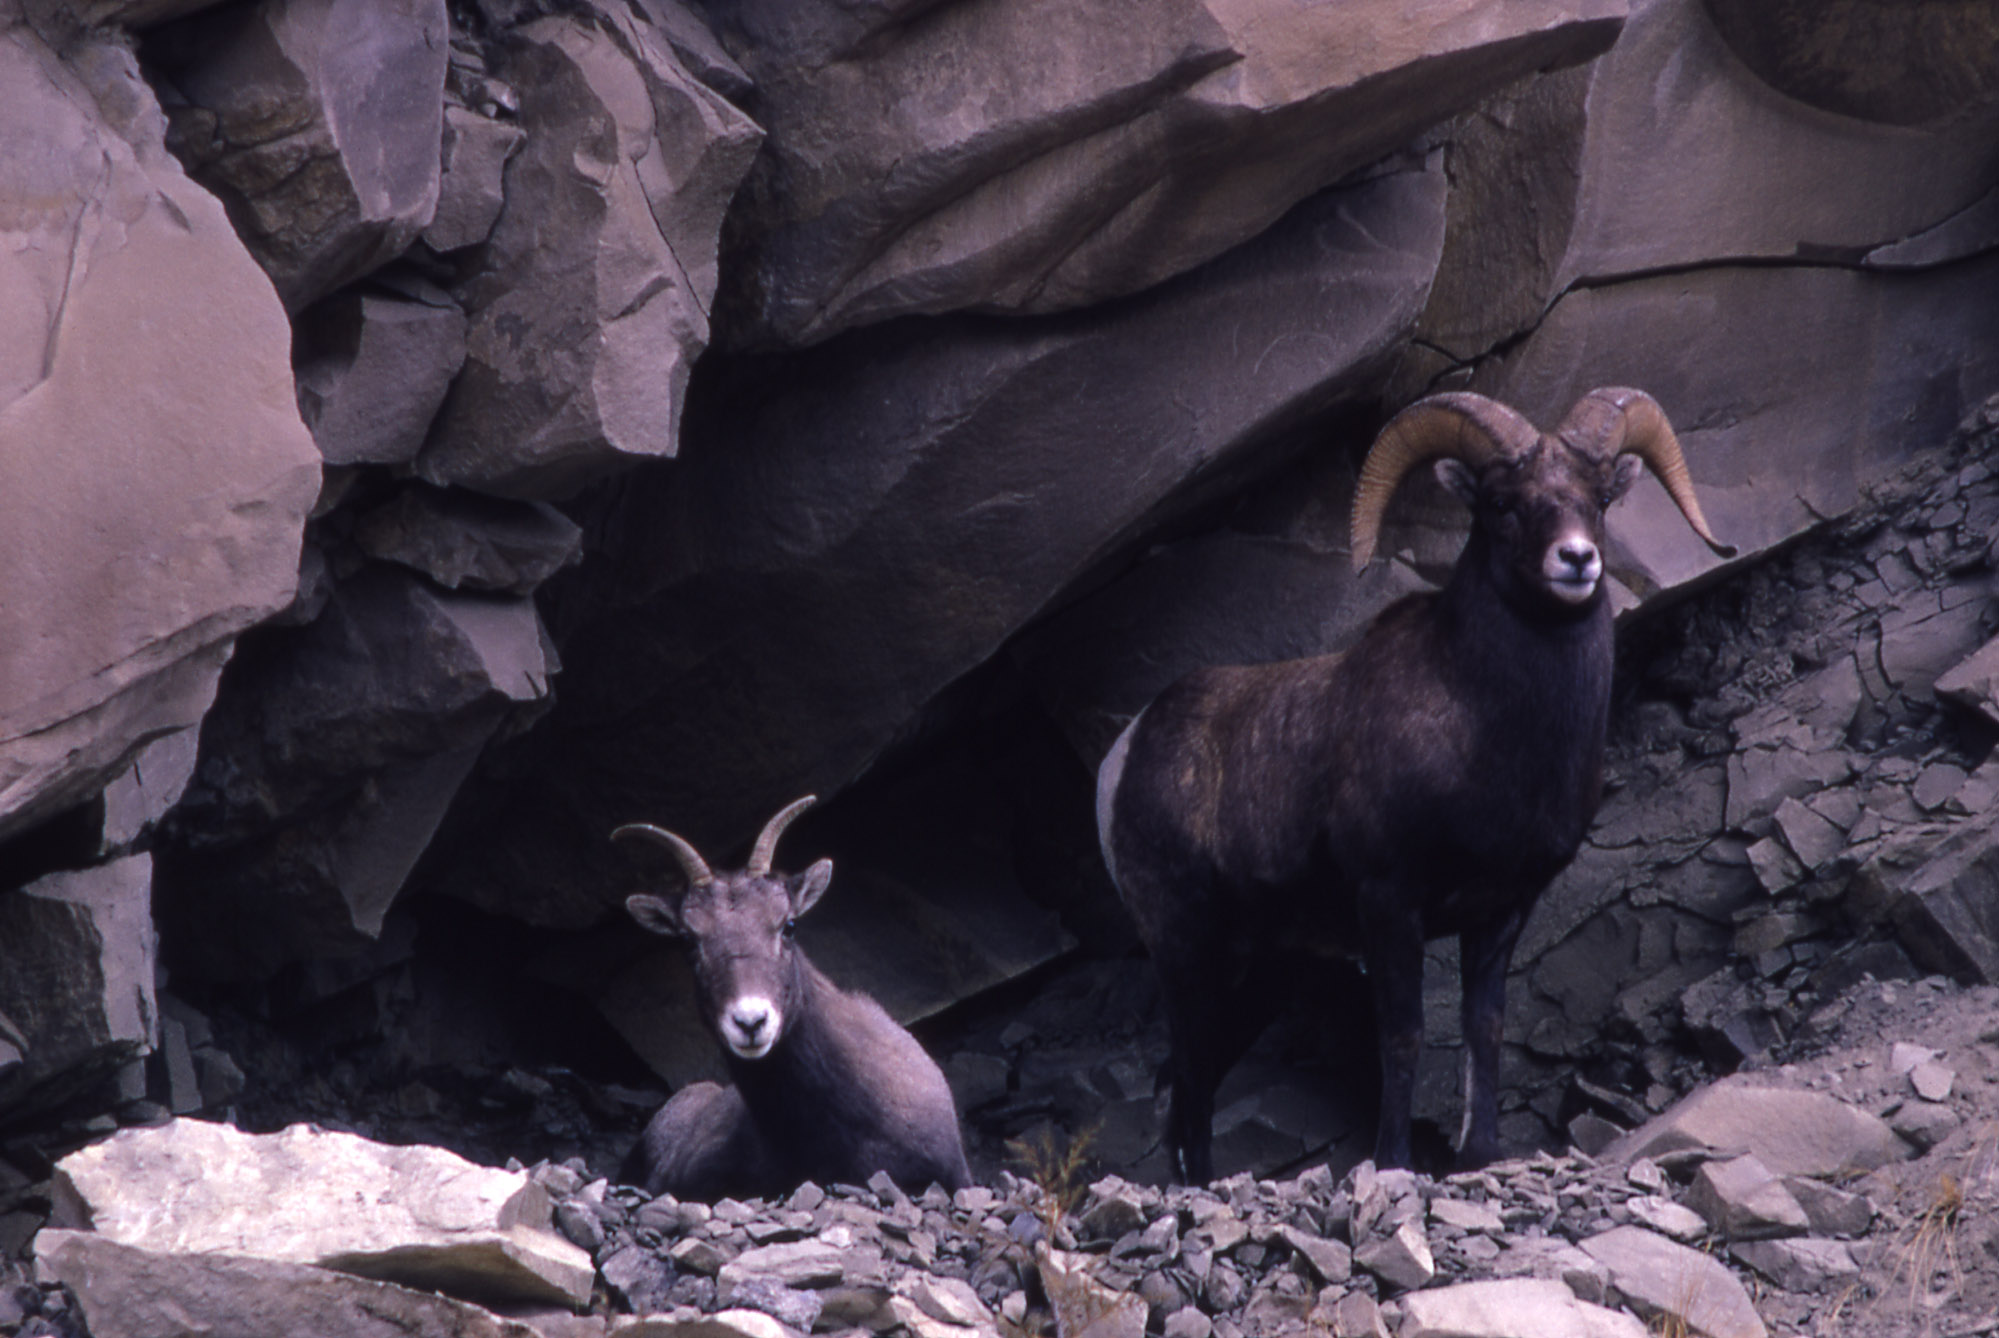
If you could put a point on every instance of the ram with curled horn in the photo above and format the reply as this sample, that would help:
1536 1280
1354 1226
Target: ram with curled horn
1430 781
824 1085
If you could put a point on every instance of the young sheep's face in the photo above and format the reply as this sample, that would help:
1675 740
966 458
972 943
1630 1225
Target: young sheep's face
1542 515
738 933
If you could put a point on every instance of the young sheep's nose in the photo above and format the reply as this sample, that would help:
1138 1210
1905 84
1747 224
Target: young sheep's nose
1578 554
751 1016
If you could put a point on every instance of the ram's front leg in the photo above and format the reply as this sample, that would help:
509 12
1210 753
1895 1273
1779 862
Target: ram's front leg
1484 954
1392 932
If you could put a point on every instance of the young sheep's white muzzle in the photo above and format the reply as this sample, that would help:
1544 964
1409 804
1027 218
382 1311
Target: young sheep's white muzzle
750 1026
1572 566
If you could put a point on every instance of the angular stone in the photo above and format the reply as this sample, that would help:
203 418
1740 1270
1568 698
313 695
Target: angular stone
471 188
795 1309
804 1263
317 122
854 539
1552 1258
1947 912
372 371
638 1277
154 476
1931 1081
1743 1200
1657 1277
139 797
1923 1124
1974 681
1330 1259
1509 1308
589 301
1155 138
721 1324
1084 1307
1466 1215
1799 1265
326 772
1666 1217
1357 1315
1791 1132
414 1215
464 541
1401 1259
1813 839
948 1300
76 981
1114 1209
1832 1211
126 1292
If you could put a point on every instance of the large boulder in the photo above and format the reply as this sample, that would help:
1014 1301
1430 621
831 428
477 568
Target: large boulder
867 521
76 981
329 761
910 170
1677 1284
589 301
318 123
154 475
419 1216
125 1292
1790 1131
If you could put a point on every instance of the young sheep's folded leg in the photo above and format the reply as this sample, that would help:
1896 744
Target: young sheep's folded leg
1483 955
1393 933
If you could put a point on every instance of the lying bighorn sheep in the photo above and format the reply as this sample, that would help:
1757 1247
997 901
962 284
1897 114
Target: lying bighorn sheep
1432 780
826 1086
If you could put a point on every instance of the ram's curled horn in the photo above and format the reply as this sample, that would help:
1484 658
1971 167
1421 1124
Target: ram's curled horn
766 847
1613 420
1460 424
698 872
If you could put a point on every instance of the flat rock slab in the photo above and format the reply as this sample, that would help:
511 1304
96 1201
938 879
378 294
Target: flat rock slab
1791 1132
415 1215
1657 1276
1511 1308
127 1292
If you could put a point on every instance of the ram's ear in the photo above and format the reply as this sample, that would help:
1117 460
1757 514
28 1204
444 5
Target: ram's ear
1458 480
1623 474
808 887
657 914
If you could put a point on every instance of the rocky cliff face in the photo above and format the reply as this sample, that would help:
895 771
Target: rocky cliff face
434 434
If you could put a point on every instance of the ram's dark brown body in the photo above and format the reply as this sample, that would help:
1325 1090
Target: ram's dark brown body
1431 781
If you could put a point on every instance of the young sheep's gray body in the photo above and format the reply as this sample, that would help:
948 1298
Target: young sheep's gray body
825 1086
1430 781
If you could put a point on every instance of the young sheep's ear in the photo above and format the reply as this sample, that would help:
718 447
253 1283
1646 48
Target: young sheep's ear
657 914
809 886
1457 478
1623 474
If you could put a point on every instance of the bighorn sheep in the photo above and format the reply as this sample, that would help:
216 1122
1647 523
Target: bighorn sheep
1431 780
826 1086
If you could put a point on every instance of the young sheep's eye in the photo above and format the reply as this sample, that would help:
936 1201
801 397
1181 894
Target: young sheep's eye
790 928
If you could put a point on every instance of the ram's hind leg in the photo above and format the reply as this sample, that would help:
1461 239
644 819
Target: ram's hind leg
701 1145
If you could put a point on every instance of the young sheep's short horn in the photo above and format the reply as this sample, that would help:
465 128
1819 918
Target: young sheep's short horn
696 868
766 847
1614 420
1461 424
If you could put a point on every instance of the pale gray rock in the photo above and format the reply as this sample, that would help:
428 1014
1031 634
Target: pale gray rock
168 520
1791 1132
1924 1124
909 173
419 1216
77 965
1931 1081
141 795
1744 1200
1081 1302
805 1263
317 122
721 1324
1554 1259
1357 1315
1508 1308
1331 1260
589 301
948 1300
466 541
1655 1276
1811 837
372 371
1666 1217
471 189
127 1292
890 553
1402 1258
1804 1264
